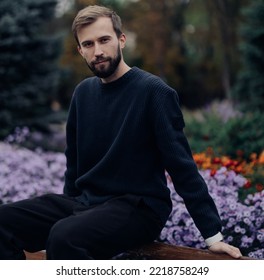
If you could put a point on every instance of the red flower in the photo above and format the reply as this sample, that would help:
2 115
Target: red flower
216 160
259 187
247 185
240 153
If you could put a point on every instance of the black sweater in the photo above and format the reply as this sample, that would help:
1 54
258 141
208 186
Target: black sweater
121 136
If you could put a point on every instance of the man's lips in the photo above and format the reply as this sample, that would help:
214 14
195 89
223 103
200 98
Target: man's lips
100 61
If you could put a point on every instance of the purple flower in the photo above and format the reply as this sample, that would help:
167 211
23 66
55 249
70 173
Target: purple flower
42 173
242 220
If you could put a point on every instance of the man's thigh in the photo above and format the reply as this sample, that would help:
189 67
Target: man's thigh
111 228
29 221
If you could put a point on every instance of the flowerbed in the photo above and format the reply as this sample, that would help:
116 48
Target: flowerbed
252 170
243 222
24 173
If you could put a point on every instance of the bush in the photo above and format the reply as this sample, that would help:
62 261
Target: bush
243 134
237 134
203 132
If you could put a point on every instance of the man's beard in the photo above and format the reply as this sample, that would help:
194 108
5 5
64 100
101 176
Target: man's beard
104 71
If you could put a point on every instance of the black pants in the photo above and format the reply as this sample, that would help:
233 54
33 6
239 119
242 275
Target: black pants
67 229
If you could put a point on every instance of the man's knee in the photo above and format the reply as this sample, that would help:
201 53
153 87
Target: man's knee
63 243
58 234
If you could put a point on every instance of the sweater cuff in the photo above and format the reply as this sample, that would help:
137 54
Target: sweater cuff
216 238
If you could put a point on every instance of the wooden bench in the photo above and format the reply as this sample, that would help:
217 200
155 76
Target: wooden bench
41 255
160 251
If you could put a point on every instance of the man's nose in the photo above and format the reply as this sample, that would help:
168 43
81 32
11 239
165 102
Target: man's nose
97 50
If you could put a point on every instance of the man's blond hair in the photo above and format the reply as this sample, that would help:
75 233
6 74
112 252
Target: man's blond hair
90 14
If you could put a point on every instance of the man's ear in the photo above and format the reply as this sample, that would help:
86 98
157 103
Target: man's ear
80 50
122 40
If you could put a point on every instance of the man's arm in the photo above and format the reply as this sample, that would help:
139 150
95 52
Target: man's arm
71 152
188 182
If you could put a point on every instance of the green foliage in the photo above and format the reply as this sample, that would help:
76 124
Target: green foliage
241 135
28 55
202 131
249 88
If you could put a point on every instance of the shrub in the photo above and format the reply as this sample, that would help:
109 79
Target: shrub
227 133
243 134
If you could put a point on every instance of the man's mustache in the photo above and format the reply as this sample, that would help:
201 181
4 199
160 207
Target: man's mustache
99 60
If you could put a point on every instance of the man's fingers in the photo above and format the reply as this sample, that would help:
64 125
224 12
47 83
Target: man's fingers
233 252
221 247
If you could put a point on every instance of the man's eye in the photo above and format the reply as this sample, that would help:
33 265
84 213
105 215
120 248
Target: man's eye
87 44
104 40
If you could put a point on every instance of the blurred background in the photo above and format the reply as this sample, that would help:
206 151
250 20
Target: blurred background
210 51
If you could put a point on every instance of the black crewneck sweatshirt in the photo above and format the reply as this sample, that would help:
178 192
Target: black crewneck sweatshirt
122 136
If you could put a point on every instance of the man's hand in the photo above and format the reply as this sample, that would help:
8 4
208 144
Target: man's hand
221 247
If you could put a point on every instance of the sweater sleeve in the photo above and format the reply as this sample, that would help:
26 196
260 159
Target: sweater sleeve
178 161
71 152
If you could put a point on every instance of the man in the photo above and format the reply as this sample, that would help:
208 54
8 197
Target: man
124 129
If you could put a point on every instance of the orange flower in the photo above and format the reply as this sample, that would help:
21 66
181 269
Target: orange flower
212 173
261 158
253 156
228 163
239 169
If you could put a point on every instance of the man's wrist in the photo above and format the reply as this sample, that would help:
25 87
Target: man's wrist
213 239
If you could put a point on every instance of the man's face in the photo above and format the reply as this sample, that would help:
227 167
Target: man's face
100 47
102 69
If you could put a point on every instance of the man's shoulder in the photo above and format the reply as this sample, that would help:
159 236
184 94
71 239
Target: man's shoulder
154 83
87 85
147 76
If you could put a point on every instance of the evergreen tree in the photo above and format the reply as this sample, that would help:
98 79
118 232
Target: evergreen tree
28 56
249 88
